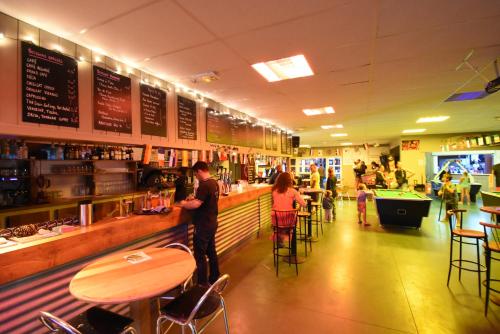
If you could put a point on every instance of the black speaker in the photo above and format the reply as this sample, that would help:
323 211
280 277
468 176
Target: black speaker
295 141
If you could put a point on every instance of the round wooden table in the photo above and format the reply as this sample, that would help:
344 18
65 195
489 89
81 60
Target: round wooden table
114 280
493 210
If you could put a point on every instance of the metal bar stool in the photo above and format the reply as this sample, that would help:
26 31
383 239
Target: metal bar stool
457 234
491 245
317 217
303 217
284 223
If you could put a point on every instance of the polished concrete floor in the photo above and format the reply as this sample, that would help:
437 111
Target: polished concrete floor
358 280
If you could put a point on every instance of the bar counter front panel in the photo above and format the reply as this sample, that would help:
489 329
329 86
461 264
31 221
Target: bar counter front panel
24 294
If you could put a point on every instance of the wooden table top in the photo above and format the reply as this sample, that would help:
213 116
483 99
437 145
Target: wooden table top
491 209
113 279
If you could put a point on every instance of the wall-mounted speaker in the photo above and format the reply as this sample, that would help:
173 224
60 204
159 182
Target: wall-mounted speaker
295 141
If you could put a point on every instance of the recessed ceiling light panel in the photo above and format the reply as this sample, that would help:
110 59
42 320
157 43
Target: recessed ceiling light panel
414 130
334 126
318 111
432 119
285 68
339 135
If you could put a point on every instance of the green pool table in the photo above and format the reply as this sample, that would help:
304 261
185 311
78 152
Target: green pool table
401 208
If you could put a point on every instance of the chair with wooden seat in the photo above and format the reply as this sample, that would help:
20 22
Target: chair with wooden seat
458 234
195 305
491 246
93 321
284 226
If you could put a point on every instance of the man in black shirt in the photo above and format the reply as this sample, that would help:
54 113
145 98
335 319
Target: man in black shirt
205 206
277 173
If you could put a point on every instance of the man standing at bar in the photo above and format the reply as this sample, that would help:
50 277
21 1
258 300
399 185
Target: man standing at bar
205 206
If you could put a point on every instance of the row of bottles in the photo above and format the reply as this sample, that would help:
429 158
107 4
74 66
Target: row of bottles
225 181
87 152
12 149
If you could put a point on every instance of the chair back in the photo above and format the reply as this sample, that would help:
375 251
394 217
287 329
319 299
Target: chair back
187 249
55 324
492 236
284 218
216 289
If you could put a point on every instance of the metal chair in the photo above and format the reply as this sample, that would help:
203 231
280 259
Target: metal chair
189 281
93 321
303 218
195 304
491 245
457 234
284 223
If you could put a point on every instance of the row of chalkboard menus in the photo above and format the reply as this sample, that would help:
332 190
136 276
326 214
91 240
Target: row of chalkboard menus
50 96
49 82
228 130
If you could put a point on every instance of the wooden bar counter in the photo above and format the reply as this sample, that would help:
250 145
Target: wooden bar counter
30 258
35 276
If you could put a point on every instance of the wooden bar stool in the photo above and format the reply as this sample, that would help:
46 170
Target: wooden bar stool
284 223
491 245
303 217
457 234
317 215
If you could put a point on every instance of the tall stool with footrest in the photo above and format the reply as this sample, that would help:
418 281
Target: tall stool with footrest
457 235
491 246
284 223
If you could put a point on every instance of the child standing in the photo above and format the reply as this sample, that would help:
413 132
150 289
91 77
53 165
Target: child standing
449 193
362 192
328 206
465 188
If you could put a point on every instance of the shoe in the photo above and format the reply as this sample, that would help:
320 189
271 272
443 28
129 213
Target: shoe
367 224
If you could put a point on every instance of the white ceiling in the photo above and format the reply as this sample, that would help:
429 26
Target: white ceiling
380 64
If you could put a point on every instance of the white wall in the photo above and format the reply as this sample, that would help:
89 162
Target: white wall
10 97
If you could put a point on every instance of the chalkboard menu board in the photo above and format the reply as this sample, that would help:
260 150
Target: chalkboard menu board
186 118
153 111
283 143
269 138
251 170
218 127
224 129
256 138
49 87
275 140
112 102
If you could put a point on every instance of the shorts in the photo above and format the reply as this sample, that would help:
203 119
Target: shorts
361 207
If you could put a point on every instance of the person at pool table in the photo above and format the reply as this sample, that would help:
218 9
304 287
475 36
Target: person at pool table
402 176
449 195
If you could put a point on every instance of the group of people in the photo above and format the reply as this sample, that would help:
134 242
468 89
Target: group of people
397 178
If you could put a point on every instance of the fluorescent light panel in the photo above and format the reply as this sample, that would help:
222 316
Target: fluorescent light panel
334 126
346 144
432 119
284 68
339 135
318 111
414 130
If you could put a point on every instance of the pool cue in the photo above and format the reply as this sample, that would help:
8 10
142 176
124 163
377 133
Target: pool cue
441 206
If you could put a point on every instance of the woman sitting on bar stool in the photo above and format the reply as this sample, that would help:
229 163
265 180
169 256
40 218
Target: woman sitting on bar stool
284 196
